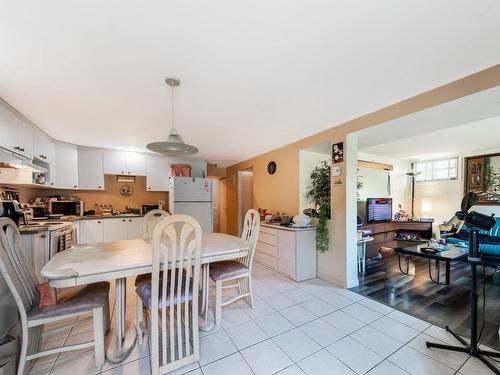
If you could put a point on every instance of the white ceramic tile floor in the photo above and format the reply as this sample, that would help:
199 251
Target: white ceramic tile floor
311 328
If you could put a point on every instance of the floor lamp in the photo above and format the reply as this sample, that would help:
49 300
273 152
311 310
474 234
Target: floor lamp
413 174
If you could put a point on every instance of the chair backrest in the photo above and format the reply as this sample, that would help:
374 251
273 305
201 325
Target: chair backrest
250 234
177 243
15 268
152 218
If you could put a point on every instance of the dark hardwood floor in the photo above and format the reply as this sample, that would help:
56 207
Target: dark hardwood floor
435 303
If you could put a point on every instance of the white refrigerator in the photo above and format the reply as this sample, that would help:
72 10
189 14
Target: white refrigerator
192 196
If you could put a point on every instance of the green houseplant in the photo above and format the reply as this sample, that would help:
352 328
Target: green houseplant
319 193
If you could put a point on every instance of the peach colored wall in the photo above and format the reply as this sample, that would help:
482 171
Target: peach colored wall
111 194
280 192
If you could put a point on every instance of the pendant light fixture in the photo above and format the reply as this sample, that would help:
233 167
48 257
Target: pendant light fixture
174 144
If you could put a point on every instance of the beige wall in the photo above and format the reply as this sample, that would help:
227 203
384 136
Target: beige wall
280 192
111 194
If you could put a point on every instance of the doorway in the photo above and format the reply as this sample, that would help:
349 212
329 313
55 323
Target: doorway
245 195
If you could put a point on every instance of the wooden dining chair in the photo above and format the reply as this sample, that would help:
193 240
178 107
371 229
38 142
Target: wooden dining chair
151 219
239 270
21 280
172 302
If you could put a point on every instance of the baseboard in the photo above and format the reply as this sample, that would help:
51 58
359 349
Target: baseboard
340 283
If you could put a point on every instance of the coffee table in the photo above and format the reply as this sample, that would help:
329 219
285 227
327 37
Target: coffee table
453 253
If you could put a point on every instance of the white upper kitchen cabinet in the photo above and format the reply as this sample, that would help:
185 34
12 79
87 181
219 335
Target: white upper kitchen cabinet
16 133
25 138
158 172
135 228
8 128
90 169
66 166
91 231
115 229
124 163
44 147
136 164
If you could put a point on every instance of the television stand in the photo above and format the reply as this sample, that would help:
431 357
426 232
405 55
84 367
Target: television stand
386 234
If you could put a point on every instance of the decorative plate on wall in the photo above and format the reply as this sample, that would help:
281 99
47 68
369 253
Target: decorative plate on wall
271 167
126 190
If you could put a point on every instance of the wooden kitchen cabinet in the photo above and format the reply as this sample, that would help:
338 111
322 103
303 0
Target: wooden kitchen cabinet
91 231
66 166
90 169
291 252
124 163
157 173
114 229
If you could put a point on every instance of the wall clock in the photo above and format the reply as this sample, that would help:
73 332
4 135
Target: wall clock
271 167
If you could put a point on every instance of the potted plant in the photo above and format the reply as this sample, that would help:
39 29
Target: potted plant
319 193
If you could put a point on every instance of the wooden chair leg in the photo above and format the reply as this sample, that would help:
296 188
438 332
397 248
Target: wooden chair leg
139 317
218 302
99 327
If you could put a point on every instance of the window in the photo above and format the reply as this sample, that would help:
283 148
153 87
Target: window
437 170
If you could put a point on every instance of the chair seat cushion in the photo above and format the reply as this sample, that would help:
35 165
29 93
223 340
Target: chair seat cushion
146 279
144 293
74 301
228 269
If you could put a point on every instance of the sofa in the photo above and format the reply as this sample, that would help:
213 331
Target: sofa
489 241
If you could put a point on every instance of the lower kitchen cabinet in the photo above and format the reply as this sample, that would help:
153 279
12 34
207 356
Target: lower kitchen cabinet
135 228
36 250
289 251
91 231
111 229
114 230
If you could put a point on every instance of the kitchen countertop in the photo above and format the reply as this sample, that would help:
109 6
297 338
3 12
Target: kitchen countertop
292 229
99 217
33 228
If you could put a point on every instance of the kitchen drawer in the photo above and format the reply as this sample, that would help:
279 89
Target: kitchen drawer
267 230
268 238
267 249
266 259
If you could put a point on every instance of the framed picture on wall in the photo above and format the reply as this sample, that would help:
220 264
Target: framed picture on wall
482 176
338 152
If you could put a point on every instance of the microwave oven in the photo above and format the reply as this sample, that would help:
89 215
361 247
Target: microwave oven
66 208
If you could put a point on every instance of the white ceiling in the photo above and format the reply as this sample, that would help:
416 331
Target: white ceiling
255 75
452 141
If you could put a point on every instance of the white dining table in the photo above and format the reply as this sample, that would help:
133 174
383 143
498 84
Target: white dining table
90 263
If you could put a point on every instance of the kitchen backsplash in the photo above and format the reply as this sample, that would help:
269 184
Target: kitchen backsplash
111 194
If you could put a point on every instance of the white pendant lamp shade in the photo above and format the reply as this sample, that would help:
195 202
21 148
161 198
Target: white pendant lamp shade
175 144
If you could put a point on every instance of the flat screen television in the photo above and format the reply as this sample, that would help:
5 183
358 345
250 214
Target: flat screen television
378 209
